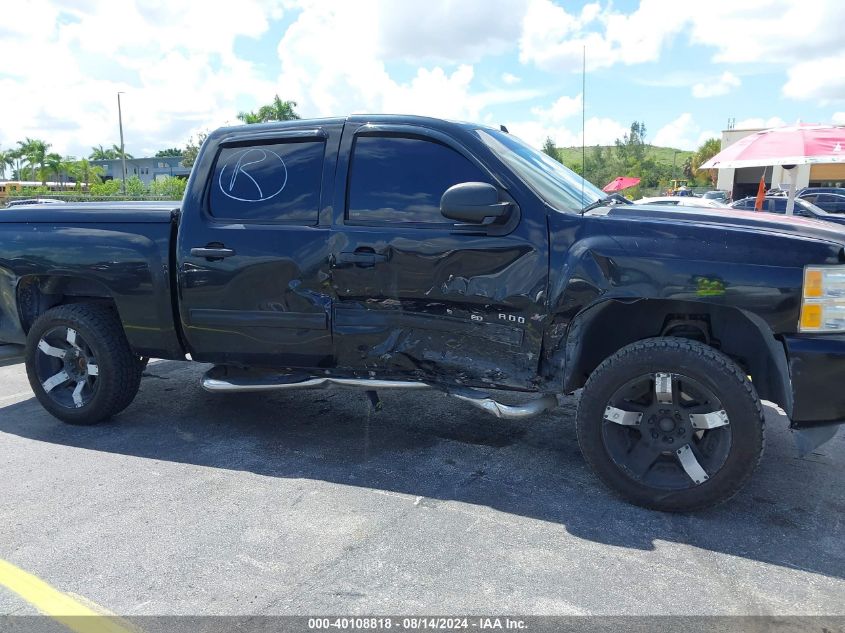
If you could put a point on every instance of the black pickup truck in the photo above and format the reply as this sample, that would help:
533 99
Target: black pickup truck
385 252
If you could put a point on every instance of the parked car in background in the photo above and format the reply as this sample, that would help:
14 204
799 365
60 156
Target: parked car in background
683 201
806 191
27 201
830 202
721 196
777 204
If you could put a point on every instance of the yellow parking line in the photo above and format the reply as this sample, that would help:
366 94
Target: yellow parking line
59 606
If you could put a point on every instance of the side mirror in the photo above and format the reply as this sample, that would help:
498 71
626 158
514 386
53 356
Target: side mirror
473 203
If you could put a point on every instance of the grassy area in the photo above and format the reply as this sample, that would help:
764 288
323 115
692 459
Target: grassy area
660 154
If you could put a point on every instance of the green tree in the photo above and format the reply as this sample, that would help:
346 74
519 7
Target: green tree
189 154
84 172
707 150
35 151
107 188
171 151
118 153
168 187
134 187
101 153
550 149
7 159
631 147
16 156
277 110
55 164
687 168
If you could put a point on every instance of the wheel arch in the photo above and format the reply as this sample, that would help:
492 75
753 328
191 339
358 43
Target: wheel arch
38 293
600 330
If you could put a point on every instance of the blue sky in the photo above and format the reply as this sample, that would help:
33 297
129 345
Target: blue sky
682 68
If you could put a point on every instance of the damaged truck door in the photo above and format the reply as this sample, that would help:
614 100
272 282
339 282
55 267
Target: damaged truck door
252 257
422 294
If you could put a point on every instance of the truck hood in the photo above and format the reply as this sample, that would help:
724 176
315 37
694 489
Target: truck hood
765 222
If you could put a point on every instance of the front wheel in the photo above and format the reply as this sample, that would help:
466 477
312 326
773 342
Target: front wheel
79 363
671 424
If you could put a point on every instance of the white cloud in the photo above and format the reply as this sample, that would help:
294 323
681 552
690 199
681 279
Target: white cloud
682 133
175 63
765 31
760 32
754 123
819 79
555 39
447 30
325 83
838 118
563 108
510 79
813 73
716 87
598 131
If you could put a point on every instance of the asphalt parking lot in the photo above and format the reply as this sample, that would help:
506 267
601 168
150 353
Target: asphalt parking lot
305 503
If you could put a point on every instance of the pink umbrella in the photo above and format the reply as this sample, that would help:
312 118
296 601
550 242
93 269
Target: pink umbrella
792 145
787 146
620 183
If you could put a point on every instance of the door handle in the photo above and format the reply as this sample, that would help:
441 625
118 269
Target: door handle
212 252
362 258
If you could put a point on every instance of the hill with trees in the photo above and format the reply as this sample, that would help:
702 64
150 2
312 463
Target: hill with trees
632 156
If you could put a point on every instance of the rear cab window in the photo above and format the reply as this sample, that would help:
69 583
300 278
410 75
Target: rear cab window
275 182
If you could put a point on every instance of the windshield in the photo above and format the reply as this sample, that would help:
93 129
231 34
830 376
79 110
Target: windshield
558 186
809 206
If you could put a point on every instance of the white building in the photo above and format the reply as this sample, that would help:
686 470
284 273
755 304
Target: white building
744 182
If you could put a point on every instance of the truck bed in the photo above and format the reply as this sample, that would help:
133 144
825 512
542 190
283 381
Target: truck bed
119 251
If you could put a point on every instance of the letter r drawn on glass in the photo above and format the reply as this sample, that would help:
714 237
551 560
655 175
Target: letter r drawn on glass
253 175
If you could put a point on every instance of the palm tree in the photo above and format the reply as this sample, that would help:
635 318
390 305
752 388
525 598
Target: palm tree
101 153
7 159
278 110
55 164
118 153
15 156
35 151
249 117
24 152
707 150
83 171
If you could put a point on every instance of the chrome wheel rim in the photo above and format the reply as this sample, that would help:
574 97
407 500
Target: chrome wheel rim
667 431
66 367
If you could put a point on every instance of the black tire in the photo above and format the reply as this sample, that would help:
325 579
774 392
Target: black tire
99 337
659 487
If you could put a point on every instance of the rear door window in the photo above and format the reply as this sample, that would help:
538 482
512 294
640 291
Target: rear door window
268 183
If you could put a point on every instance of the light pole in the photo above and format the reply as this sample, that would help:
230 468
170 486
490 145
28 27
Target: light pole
122 149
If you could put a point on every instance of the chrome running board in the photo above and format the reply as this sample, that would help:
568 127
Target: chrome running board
218 380
510 411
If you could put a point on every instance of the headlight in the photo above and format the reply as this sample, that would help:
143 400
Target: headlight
823 302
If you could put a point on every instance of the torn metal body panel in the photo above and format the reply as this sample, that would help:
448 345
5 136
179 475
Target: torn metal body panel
624 275
438 300
224 379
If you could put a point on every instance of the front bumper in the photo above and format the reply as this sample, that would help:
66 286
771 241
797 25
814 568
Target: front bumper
817 371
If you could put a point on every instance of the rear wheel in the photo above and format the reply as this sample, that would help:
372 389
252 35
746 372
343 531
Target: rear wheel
80 365
671 424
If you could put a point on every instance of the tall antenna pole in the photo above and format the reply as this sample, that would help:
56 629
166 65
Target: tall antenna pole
583 122
122 149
